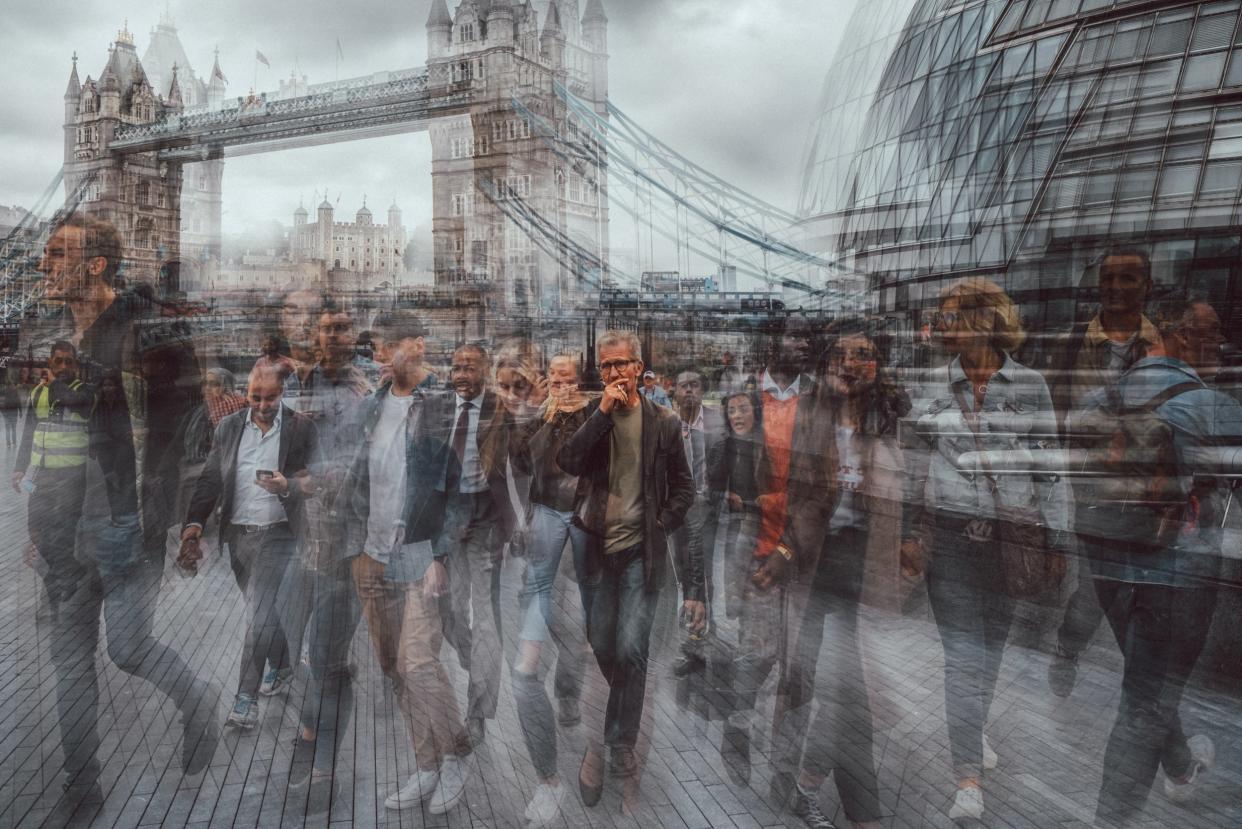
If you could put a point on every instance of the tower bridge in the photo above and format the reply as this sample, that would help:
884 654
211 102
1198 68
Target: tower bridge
525 147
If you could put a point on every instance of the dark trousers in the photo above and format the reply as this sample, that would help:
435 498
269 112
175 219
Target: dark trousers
260 561
620 611
1161 631
470 617
973 612
323 608
110 575
1082 613
840 737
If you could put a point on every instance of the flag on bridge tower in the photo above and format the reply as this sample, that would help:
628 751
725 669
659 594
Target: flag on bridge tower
259 56
340 55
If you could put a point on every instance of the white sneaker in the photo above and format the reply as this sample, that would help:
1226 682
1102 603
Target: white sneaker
1203 753
420 787
452 786
989 756
545 805
968 802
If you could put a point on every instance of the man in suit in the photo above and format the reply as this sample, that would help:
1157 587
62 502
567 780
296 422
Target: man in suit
258 474
470 468
634 487
702 427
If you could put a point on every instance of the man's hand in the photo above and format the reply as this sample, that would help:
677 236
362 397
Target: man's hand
277 484
696 614
16 480
735 502
614 394
191 552
771 573
435 583
911 557
398 535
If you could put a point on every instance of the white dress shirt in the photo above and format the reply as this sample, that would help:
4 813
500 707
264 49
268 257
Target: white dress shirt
252 504
781 395
472 477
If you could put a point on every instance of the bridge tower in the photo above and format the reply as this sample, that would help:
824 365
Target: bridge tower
138 193
497 51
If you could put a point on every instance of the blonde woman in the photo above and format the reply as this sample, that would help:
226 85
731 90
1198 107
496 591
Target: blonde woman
982 399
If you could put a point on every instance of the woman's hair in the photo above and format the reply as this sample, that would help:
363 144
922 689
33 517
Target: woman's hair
985 307
520 354
228 381
885 402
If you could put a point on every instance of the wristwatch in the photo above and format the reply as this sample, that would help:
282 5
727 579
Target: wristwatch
785 552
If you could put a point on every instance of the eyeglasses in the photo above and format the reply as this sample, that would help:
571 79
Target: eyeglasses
944 319
614 366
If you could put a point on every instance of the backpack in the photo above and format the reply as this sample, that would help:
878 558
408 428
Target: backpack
1128 491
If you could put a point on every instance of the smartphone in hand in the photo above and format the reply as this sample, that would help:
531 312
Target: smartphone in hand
264 474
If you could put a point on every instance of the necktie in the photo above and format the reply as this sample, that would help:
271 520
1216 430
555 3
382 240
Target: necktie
453 477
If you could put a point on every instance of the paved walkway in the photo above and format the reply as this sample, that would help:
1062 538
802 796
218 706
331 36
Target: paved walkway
1050 749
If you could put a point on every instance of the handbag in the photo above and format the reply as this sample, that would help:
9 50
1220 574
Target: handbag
1031 567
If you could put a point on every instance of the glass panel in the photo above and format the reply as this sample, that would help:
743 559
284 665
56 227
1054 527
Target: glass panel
1160 78
1179 182
1233 77
1221 178
1170 37
1203 72
1137 184
1213 32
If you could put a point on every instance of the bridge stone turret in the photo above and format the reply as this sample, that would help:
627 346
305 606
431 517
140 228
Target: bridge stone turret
493 166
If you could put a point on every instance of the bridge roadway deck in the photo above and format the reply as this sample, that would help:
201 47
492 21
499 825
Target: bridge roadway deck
1051 751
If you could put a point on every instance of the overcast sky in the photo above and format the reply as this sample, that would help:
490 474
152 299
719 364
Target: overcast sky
731 84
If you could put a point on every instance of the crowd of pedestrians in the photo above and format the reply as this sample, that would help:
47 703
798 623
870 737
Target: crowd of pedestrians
755 509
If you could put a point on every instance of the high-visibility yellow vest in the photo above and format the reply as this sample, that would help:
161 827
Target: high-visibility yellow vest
60 438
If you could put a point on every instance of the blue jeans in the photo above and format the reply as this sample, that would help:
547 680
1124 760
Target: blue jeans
549 530
973 612
620 612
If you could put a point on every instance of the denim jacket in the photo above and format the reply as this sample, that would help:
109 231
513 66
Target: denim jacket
1016 413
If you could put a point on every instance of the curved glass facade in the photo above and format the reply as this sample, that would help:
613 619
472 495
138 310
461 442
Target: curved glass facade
1018 138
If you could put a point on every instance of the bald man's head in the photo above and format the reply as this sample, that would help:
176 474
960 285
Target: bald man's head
264 393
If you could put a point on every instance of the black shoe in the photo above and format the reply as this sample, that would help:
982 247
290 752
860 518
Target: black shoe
623 762
477 728
590 793
1063 672
735 753
570 712
688 664
806 807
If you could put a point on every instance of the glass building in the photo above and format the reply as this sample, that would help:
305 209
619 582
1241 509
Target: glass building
1017 139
